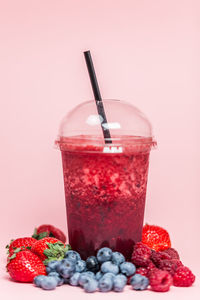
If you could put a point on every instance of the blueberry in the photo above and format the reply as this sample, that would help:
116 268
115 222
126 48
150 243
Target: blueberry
104 254
98 275
38 280
139 282
53 273
52 266
127 268
68 263
74 279
72 255
111 275
49 283
59 279
117 258
48 270
66 266
80 266
91 285
65 272
108 266
105 284
66 280
92 264
84 277
119 282
90 274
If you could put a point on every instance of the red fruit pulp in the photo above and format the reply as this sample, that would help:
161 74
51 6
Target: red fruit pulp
105 194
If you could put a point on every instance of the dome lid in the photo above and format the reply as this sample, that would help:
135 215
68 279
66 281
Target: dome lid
124 121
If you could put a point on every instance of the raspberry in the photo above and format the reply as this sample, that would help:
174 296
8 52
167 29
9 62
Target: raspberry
129 279
151 267
157 257
142 271
172 253
141 255
183 277
160 281
146 271
170 265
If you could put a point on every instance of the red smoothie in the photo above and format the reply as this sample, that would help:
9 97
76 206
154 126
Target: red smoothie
105 193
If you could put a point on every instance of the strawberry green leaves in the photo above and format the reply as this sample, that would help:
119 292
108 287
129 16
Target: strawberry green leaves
55 251
14 254
8 246
40 235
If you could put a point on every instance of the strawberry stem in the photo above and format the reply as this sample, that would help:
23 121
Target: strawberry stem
56 251
40 235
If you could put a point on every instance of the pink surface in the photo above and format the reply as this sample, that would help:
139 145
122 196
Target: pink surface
145 52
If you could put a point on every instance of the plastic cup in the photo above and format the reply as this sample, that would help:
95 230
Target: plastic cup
105 184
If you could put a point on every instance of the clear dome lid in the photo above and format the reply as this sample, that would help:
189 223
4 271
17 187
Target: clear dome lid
126 124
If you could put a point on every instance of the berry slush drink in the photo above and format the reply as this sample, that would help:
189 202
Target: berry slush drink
105 195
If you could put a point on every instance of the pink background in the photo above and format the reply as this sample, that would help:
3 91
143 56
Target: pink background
145 52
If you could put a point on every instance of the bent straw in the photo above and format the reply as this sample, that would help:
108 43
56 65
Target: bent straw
97 96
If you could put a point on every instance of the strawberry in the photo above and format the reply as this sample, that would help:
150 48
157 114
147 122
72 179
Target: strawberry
49 249
22 243
49 230
24 265
155 237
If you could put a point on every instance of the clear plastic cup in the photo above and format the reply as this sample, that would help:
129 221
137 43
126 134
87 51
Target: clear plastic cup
105 183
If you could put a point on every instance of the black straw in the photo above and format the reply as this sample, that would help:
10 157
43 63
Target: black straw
97 96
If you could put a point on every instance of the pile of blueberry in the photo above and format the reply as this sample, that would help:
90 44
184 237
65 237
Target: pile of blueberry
105 272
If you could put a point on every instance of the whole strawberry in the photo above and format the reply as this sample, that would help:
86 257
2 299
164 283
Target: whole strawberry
157 238
24 265
46 230
49 248
22 243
